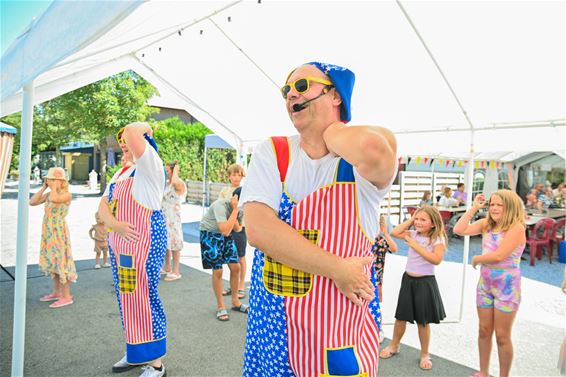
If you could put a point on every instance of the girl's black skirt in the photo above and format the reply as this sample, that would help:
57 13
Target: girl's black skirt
419 300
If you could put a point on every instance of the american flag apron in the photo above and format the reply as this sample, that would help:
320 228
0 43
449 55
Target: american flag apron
136 269
312 329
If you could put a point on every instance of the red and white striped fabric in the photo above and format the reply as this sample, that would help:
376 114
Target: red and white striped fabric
325 318
136 310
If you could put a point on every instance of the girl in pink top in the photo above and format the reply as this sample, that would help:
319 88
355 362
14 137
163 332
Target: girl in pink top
499 287
419 297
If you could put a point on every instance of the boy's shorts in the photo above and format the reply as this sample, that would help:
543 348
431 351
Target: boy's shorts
216 250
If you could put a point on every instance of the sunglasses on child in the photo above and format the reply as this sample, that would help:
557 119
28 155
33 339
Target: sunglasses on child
119 137
302 85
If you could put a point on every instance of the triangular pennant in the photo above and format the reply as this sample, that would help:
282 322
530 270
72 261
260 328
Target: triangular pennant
431 161
425 160
447 163
418 160
459 164
408 160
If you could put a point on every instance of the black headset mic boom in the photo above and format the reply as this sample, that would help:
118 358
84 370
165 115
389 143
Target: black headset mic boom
299 106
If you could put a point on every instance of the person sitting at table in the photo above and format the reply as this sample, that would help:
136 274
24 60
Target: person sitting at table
546 198
426 200
557 192
446 199
460 194
532 202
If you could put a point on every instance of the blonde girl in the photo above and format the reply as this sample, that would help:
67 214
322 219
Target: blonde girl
419 297
499 289
55 256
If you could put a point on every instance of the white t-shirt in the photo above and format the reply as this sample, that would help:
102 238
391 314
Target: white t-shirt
447 202
149 180
305 176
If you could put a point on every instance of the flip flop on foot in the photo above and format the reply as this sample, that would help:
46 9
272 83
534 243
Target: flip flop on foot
243 308
425 363
388 352
172 276
241 293
222 315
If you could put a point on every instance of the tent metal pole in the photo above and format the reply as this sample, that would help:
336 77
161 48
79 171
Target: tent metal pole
469 186
19 329
204 180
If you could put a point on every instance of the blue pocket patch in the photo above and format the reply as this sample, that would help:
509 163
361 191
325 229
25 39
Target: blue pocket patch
126 261
342 362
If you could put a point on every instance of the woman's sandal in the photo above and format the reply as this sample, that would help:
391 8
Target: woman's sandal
388 352
222 315
50 297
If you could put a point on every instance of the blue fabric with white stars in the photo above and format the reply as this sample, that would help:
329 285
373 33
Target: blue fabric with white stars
266 352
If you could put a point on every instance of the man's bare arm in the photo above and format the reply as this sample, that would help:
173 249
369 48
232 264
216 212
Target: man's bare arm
372 150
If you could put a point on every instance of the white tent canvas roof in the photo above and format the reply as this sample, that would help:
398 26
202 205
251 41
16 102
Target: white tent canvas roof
224 62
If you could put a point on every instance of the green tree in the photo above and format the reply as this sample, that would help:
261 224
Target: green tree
91 113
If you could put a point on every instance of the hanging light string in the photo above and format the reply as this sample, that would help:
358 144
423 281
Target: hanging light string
171 30
244 53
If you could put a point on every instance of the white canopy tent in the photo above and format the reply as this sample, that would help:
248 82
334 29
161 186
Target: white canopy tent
504 63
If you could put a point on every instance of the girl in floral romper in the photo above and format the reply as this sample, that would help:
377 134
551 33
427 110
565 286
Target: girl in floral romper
499 287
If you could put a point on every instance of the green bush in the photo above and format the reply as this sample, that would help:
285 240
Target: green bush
184 142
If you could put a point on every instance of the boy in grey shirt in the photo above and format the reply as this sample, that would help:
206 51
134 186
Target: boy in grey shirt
218 248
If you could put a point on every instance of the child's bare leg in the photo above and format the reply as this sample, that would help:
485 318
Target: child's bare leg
97 258
66 291
105 256
393 347
503 324
424 338
56 285
243 267
484 338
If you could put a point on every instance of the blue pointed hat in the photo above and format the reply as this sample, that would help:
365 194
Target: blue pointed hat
343 80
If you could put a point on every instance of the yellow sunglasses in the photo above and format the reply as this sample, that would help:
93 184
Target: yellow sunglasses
302 85
119 137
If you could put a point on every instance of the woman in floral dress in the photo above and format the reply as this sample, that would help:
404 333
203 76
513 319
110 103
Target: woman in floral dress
55 256
174 195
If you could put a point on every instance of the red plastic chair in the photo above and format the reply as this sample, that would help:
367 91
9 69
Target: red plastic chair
539 237
411 210
558 234
446 215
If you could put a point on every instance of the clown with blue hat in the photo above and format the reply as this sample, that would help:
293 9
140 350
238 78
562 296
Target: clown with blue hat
312 210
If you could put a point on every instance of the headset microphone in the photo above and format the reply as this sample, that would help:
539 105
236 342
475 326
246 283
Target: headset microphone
300 106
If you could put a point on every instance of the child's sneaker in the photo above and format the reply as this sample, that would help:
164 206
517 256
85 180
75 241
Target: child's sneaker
97 266
106 265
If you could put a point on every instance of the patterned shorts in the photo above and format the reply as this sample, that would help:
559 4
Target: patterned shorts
499 288
216 250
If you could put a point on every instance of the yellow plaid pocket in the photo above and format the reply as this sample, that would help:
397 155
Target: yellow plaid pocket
283 280
126 279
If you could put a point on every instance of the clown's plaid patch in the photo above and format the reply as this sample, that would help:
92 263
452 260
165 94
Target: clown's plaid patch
126 279
283 280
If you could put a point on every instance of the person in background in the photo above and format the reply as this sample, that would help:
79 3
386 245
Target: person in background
498 293
419 297
446 199
557 192
137 239
460 195
382 245
426 200
309 201
175 191
218 248
55 255
98 233
235 174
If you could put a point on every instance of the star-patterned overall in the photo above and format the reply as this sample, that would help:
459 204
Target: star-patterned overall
301 324
136 269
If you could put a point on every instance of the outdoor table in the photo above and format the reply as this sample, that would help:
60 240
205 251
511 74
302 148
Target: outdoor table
553 213
452 209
